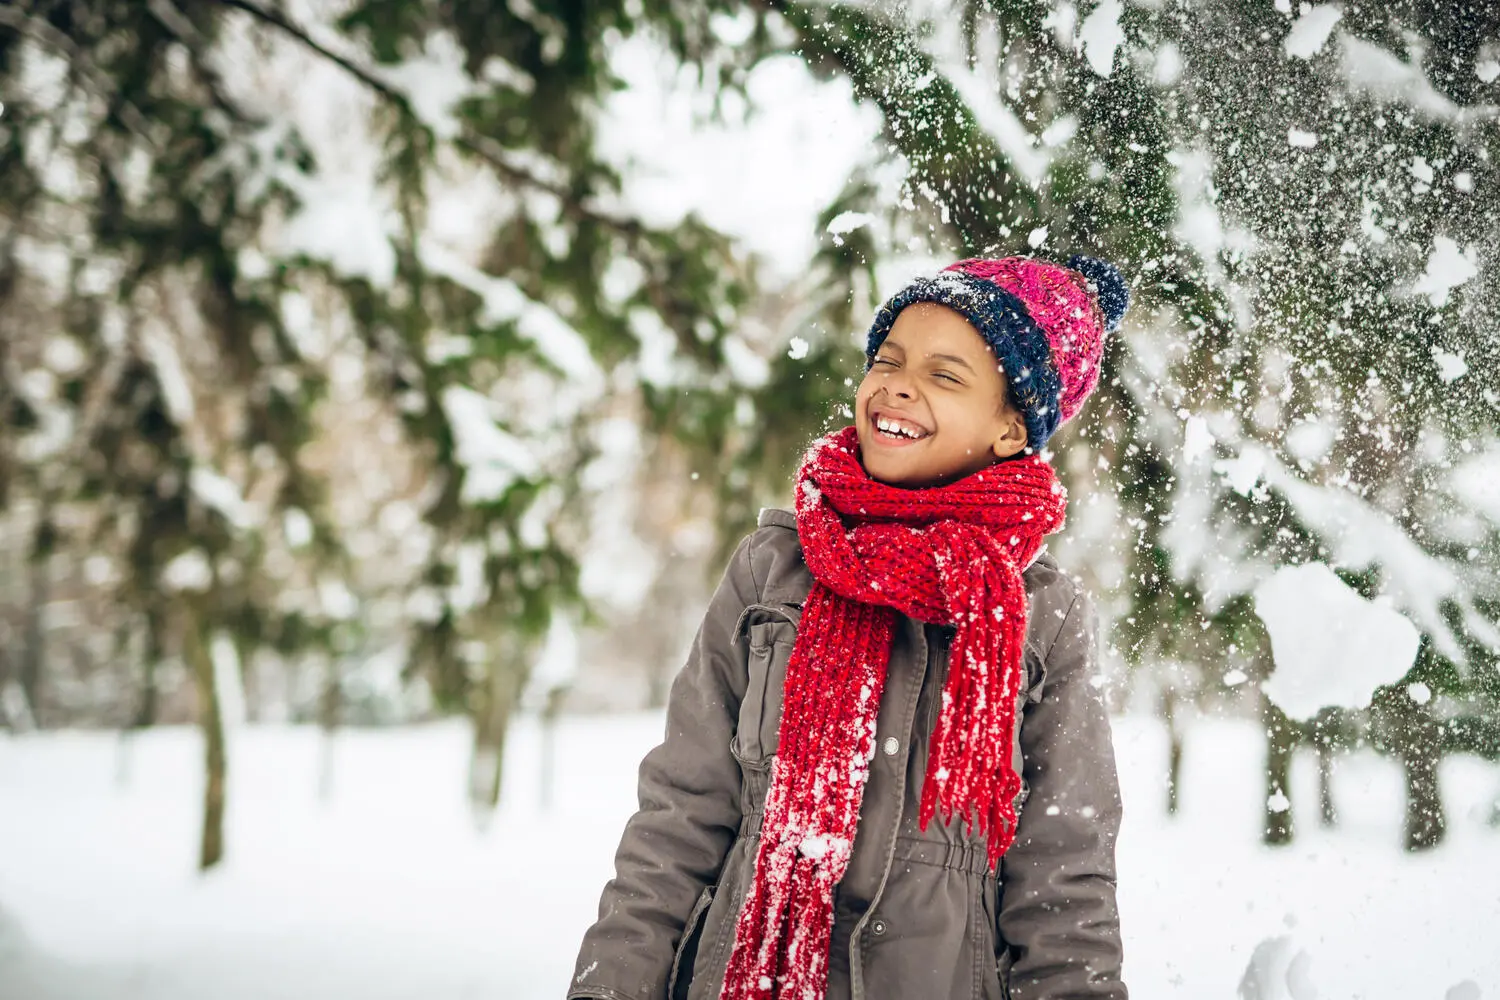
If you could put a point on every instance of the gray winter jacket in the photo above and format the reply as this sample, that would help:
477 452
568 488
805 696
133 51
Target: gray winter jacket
917 916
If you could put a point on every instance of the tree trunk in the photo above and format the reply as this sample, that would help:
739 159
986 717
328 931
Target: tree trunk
1174 750
195 650
148 706
487 768
12 716
493 710
330 707
143 714
550 714
1408 732
34 641
122 653
1425 822
1325 737
1280 743
1327 813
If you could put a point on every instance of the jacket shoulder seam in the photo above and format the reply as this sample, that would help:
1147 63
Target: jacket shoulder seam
778 516
771 522
756 586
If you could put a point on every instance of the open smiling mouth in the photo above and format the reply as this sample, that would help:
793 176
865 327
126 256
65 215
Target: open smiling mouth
896 433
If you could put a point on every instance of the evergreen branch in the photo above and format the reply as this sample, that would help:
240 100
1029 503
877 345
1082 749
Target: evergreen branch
483 147
966 172
960 168
633 232
282 22
49 37
171 17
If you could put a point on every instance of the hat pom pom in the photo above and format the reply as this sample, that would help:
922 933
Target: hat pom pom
1109 286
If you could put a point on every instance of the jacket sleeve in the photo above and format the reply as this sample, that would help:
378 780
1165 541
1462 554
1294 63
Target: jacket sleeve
689 791
1057 910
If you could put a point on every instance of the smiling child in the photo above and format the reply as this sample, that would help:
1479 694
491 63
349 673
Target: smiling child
887 771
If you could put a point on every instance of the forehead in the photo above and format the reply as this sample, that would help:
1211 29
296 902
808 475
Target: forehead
929 327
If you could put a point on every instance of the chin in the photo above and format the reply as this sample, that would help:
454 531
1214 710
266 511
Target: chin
874 473
907 481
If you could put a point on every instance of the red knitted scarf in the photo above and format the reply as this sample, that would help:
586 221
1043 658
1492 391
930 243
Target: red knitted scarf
951 554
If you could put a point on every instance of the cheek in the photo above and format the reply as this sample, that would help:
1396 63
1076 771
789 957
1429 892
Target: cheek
946 411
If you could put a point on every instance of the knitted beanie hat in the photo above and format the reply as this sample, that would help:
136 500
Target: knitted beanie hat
1046 324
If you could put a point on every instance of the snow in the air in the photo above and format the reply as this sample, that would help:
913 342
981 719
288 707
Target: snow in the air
1244 470
1332 647
1304 140
1451 367
1279 969
1359 535
1311 30
1477 483
1447 267
847 222
1100 35
1390 78
982 85
1197 439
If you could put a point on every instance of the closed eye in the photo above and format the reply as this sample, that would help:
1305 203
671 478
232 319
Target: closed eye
941 375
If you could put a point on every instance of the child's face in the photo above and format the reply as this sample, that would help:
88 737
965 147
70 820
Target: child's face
934 373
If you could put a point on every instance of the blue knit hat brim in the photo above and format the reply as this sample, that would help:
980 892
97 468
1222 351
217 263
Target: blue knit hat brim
1003 322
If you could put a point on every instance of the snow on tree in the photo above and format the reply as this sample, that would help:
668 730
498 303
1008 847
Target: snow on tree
1308 362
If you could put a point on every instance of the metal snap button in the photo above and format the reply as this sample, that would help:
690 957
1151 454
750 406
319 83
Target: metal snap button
890 746
877 927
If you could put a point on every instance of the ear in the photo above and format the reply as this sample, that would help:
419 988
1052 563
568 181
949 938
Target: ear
1010 437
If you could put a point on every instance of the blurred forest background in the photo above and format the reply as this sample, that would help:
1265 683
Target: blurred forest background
354 371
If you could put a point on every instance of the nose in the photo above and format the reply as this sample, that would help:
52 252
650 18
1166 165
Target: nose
897 384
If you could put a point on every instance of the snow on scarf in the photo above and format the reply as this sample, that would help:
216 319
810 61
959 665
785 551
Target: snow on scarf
951 554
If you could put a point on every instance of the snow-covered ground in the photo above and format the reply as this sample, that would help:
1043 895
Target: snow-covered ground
389 890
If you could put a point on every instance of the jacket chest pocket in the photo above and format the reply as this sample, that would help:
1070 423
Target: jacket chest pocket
770 634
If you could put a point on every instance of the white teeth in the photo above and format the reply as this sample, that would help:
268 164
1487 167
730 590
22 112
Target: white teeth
892 427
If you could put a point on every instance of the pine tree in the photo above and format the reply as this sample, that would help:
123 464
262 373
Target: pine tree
1292 205
192 295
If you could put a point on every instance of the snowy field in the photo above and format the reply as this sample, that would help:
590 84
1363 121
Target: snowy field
389 889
